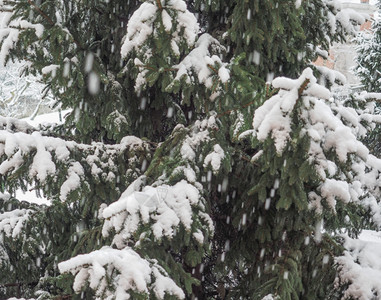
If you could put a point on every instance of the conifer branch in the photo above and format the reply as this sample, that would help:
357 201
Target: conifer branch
232 110
159 4
212 68
171 69
147 67
41 12
303 87
64 297
214 85
268 93
154 69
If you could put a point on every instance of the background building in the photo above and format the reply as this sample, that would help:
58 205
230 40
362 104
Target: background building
342 56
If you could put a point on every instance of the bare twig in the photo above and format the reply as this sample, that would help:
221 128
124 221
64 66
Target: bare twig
159 4
41 12
303 87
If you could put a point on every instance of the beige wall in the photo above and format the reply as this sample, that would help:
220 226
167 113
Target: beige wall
342 56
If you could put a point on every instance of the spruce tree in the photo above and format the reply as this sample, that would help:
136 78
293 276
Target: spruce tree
179 173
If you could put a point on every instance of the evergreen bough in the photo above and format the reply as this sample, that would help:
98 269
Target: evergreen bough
179 171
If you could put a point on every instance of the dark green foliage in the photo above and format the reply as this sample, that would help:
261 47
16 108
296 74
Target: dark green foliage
259 233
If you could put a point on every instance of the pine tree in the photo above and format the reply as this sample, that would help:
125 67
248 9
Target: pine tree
179 172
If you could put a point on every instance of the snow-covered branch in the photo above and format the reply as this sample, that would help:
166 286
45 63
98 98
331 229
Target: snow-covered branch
12 222
125 269
323 121
360 268
200 63
47 158
165 208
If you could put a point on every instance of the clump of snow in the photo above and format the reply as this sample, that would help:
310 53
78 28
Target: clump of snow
10 31
332 189
12 222
128 270
349 19
273 118
331 128
330 76
139 28
12 124
215 158
198 135
51 69
179 24
165 207
360 267
201 64
73 180
167 20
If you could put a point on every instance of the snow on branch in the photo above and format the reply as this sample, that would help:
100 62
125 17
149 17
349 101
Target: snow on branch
330 76
342 20
350 20
155 21
200 63
360 268
273 118
151 23
330 128
142 25
12 222
125 269
198 134
215 158
10 31
15 125
164 207
48 157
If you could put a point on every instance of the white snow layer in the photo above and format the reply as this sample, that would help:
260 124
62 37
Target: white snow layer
273 118
201 63
50 151
360 266
10 31
199 134
128 271
198 63
215 158
164 207
143 24
330 127
12 222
